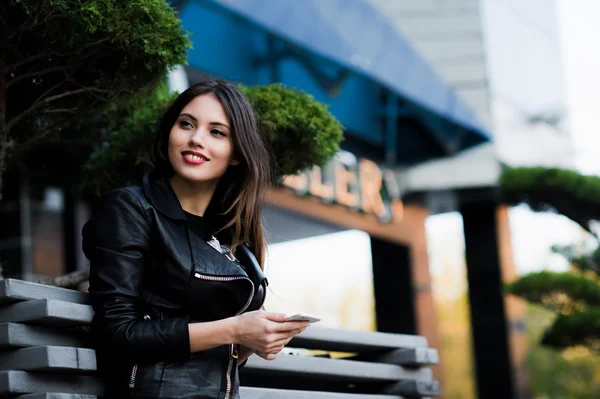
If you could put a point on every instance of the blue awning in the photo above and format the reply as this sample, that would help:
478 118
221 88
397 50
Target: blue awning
355 35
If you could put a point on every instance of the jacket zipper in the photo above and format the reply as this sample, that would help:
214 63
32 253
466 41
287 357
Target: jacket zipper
233 353
233 357
135 366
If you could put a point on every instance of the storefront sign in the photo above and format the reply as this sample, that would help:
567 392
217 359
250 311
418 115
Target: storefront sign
360 185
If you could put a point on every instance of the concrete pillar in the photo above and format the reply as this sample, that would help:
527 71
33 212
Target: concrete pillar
393 288
493 365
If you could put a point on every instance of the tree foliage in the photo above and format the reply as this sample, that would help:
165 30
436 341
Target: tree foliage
571 373
564 293
61 59
573 296
587 262
579 328
567 192
300 132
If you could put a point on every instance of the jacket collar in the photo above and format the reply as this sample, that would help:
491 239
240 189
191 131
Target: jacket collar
252 262
160 194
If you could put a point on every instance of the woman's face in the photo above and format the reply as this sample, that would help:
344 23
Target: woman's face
200 142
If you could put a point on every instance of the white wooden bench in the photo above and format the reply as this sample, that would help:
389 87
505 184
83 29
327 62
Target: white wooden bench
44 356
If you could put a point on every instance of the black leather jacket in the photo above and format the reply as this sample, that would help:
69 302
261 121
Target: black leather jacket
150 277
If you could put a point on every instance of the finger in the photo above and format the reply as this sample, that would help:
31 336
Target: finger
268 356
276 351
278 344
298 331
281 338
282 341
276 337
289 326
287 337
290 334
276 317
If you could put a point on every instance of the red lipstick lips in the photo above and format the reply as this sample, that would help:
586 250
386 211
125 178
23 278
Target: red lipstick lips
194 157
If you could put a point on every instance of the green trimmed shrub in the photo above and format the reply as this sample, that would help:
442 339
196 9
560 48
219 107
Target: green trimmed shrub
300 130
517 182
563 293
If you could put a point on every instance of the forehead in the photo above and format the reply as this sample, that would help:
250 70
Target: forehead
206 108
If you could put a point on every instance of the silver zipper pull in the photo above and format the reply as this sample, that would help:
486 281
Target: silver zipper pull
215 244
223 249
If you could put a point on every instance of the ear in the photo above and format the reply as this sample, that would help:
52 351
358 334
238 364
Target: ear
234 162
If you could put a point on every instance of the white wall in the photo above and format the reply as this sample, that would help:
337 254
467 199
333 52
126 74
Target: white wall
526 81
448 35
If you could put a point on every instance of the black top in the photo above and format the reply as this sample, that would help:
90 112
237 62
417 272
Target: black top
199 225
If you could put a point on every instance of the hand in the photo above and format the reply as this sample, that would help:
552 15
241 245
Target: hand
266 333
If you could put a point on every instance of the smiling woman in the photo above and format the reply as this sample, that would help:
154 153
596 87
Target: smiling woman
176 277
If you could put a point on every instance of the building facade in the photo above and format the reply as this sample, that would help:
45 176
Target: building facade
504 59
397 110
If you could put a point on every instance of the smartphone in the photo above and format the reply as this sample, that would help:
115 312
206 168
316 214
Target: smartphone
303 317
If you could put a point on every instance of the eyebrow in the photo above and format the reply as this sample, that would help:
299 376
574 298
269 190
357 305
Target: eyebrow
210 123
219 124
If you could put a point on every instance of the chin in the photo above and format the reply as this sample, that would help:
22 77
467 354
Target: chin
196 177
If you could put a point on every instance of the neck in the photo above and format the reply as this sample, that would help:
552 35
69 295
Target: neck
194 197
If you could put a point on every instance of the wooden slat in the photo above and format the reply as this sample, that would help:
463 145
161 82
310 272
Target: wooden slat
23 382
333 369
336 339
268 393
13 290
47 312
49 358
54 395
414 388
415 357
14 335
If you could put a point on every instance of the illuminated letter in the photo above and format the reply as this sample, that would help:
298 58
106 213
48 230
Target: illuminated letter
298 183
346 180
393 191
317 188
370 187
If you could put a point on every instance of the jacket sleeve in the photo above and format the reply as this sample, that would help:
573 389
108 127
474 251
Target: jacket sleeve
116 241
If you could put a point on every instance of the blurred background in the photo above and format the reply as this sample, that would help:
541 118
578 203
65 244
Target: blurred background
406 230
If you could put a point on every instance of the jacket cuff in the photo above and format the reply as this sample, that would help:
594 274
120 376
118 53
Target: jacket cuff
179 346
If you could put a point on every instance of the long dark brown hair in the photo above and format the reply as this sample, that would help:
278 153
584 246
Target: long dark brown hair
236 205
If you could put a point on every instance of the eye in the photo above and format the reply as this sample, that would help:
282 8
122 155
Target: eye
185 124
218 132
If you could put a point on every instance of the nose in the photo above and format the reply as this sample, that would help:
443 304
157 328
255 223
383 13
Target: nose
197 139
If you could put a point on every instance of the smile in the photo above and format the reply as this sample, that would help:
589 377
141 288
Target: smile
194 158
